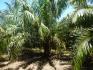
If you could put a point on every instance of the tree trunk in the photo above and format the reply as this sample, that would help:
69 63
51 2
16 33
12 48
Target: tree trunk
46 46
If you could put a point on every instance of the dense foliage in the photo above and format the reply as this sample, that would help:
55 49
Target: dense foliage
35 25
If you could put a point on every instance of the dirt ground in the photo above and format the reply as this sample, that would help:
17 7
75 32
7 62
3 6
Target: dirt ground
37 61
37 65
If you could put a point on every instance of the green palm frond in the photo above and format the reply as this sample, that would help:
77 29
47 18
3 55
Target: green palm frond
43 31
28 15
83 17
84 48
28 20
2 40
79 3
58 43
16 45
61 5
51 7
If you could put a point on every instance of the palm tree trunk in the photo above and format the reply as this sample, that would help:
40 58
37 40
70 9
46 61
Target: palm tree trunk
46 47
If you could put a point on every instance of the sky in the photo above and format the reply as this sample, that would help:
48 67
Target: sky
68 10
64 14
2 4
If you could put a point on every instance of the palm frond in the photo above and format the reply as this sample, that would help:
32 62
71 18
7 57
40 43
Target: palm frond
43 31
28 20
15 45
79 3
83 18
84 48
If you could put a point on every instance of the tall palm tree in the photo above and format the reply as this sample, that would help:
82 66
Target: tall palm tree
48 11
21 21
12 23
82 20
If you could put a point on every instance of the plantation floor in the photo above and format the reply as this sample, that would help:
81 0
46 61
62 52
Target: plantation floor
38 65
31 60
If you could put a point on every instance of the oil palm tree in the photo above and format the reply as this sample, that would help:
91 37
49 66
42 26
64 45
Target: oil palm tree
48 11
14 35
82 20
20 20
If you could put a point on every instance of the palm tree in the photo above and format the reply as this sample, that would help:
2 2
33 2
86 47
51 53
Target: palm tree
14 35
22 25
48 11
82 20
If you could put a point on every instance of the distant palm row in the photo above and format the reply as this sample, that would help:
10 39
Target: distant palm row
25 25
